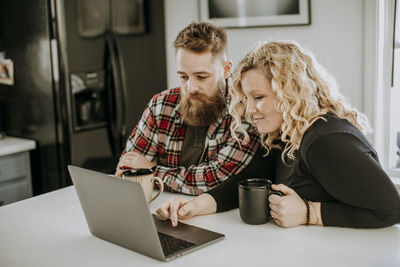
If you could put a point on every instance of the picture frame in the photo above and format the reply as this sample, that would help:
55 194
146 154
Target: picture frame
6 72
128 17
123 17
255 13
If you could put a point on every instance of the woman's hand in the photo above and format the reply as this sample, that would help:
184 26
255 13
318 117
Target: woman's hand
179 208
288 210
176 208
132 160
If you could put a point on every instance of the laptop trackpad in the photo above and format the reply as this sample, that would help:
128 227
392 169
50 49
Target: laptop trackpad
187 232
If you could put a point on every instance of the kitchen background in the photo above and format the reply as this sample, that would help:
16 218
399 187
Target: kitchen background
83 71
83 75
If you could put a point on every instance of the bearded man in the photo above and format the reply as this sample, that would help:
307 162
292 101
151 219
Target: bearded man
184 132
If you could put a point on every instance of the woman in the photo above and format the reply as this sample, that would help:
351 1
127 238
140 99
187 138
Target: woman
316 152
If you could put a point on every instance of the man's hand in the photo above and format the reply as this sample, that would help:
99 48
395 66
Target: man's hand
132 160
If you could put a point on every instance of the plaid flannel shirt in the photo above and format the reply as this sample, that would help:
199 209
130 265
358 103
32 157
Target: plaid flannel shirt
159 136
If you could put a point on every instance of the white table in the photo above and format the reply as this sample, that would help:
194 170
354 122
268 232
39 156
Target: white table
50 230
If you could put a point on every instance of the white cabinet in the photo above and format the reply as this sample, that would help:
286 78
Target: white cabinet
15 169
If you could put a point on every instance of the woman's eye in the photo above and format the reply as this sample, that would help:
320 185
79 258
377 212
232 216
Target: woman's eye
183 78
258 97
202 77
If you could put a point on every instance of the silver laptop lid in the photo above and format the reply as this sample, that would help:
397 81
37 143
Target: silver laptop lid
107 204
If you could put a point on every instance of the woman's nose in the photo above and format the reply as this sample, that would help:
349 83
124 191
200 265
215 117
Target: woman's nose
250 107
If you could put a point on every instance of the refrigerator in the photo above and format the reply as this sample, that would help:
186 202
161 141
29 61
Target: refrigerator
84 71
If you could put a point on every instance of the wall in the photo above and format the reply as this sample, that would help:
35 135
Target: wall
335 36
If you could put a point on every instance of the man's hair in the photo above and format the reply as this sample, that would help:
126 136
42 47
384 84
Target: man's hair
202 37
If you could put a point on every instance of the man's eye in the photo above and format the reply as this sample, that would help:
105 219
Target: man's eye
183 77
202 77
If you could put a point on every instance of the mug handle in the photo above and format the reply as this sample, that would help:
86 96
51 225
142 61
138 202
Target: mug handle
160 182
279 193
273 192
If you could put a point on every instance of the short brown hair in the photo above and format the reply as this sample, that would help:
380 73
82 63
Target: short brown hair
202 37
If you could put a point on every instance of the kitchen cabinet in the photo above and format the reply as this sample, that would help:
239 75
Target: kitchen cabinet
15 169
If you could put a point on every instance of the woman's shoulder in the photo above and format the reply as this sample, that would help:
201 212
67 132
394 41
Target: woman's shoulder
330 124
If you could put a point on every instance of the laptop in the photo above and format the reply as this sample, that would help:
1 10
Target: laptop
116 210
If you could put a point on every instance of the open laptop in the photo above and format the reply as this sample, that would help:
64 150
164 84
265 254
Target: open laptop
116 210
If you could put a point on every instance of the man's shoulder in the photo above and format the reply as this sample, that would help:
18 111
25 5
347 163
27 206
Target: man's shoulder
167 97
165 103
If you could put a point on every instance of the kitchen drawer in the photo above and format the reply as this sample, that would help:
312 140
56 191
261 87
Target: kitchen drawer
13 166
15 191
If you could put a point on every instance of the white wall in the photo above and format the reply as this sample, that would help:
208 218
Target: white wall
335 36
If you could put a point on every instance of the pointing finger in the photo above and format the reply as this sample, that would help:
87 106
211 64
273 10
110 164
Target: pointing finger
173 209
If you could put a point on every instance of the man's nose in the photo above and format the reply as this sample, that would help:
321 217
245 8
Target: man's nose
192 85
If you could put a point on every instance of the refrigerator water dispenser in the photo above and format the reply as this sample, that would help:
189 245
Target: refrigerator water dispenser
88 100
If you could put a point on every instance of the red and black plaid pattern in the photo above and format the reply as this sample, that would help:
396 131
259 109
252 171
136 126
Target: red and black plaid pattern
159 136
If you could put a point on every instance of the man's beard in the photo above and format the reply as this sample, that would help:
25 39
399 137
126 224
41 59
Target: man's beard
206 110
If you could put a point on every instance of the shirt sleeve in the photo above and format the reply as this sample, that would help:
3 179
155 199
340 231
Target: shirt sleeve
144 137
196 179
226 195
350 172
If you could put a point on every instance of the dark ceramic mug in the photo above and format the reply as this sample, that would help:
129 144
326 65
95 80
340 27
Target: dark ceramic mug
253 200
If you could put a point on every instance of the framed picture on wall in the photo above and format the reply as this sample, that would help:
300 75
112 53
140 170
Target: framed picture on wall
255 13
6 71
128 16
123 17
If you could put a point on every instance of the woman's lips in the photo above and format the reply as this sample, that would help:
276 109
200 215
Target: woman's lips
257 119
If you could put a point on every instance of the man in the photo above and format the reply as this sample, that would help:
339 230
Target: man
185 132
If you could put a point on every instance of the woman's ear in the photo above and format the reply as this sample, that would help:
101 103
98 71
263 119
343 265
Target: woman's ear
227 69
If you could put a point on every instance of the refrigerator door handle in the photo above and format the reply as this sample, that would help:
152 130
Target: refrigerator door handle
117 106
54 60
123 101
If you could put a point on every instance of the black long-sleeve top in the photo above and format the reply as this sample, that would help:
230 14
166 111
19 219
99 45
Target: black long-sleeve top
335 165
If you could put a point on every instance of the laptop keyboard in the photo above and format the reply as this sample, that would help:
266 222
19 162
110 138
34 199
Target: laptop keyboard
172 244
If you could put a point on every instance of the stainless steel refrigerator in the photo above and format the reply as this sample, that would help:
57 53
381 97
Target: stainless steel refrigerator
84 71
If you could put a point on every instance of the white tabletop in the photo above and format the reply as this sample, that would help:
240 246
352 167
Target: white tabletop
50 230
11 145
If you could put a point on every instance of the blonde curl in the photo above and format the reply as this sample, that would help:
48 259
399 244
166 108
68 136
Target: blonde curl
305 92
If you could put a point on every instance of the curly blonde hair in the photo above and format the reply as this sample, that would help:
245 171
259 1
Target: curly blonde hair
305 92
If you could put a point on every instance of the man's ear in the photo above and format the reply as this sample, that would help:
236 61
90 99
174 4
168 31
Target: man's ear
227 69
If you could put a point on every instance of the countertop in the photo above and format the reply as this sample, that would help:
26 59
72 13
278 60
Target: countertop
11 145
50 230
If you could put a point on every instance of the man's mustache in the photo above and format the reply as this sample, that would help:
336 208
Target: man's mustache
196 95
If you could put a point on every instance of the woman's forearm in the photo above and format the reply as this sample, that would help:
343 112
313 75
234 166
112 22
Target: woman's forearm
315 213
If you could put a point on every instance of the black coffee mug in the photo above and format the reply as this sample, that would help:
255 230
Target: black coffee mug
253 200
